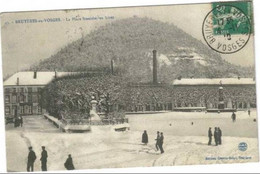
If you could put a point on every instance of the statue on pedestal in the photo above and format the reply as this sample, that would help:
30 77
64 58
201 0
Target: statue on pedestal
93 112
221 103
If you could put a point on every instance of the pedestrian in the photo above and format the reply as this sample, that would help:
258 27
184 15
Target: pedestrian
44 156
145 138
21 121
161 139
157 141
16 122
69 163
233 116
219 136
210 136
249 112
31 159
216 136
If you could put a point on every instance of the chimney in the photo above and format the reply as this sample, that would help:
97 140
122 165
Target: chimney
112 66
17 82
35 74
154 67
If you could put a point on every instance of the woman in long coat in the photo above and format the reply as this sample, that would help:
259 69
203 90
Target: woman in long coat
145 138
69 163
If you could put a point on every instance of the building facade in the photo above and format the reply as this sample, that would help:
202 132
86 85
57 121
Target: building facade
23 92
238 93
22 100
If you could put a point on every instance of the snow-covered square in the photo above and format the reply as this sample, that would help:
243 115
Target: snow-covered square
185 144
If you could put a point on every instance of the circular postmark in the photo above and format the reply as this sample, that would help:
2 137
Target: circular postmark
226 29
242 146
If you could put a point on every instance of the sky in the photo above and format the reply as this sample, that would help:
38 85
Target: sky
24 44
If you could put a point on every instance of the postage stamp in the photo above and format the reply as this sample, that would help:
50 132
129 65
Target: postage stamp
227 27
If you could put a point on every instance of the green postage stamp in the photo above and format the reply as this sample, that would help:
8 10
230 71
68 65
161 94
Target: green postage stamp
227 27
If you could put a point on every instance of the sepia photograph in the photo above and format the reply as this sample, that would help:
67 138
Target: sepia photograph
124 87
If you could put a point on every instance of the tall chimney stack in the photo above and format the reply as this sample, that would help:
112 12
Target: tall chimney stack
112 66
17 82
35 74
155 67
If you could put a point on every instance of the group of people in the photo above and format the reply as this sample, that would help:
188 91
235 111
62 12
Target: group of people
217 136
44 155
18 121
159 140
32 157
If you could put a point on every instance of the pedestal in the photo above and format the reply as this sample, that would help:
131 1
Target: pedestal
221 104
93 112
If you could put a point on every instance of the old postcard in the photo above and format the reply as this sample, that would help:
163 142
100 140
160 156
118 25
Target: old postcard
124 87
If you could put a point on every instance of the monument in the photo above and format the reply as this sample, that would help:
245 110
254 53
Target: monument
221 104
93 112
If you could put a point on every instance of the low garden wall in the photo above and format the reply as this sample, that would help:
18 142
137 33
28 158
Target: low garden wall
67 127
64 126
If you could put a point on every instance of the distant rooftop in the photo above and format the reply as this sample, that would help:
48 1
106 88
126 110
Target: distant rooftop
30 78
215 81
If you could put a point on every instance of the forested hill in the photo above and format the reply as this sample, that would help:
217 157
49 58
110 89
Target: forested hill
129 42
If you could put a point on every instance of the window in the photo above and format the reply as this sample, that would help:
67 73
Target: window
7 99
22 98
29 109
14 110
29 89
34 98
14 89
39 109
29 98
34 89
7 110
14 99
39 98
39 89
7 90
21 109
21 89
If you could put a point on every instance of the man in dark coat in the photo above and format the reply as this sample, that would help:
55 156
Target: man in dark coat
157 141
16 122
210 136
161 139
233 116
219 136
145 138
31 159
69 163
43 159
216 136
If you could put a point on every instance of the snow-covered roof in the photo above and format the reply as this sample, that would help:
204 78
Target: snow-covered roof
215 81
27 78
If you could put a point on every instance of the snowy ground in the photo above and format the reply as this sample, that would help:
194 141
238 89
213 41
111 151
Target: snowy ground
185 144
